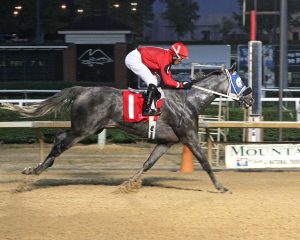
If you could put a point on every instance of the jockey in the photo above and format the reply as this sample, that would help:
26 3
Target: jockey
147 61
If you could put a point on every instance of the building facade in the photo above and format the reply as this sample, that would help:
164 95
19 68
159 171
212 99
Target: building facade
94 51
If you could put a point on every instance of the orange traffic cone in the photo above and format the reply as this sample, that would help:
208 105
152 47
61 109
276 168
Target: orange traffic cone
187 164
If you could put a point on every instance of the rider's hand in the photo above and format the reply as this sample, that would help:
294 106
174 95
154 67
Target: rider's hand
186 85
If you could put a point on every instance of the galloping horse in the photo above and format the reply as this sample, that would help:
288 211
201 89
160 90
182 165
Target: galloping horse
93 108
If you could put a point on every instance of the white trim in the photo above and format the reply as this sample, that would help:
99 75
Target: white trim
131 106
176 51
152 128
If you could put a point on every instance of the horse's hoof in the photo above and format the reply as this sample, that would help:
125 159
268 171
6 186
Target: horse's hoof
130 186
224 190
26 171
30 171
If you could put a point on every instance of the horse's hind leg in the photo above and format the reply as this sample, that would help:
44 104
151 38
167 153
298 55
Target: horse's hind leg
62 142
135 182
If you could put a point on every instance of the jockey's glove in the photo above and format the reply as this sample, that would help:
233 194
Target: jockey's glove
186 85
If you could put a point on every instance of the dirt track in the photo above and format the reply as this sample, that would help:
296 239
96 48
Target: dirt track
76 199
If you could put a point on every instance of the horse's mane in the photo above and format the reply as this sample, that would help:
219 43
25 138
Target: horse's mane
199 76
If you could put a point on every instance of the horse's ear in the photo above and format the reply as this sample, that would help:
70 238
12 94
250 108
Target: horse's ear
233 68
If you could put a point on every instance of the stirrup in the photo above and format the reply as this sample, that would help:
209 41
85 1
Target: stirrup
151 112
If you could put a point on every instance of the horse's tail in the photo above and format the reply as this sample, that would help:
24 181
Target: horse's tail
62 99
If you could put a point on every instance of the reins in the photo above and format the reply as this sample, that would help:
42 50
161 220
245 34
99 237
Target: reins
214 92
217 93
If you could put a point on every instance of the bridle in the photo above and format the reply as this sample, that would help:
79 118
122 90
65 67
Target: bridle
236 95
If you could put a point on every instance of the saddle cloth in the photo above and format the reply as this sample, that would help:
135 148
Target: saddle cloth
133 107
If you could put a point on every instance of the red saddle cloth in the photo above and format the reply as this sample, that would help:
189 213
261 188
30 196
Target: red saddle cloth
133 107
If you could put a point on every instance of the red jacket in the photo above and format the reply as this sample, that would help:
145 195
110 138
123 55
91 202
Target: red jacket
159 60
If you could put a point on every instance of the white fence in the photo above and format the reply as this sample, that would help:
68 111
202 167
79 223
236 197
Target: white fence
26 91
22 102
296 102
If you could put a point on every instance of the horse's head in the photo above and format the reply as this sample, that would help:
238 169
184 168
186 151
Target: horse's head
238 89
226 83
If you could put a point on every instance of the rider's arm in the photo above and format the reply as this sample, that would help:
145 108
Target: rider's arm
167 77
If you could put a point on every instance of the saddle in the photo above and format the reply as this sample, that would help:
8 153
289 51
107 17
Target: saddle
133 101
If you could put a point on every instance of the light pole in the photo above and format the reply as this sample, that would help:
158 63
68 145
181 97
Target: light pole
283 70
38 35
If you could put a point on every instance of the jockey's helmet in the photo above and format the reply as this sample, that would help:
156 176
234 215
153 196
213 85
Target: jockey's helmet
179 50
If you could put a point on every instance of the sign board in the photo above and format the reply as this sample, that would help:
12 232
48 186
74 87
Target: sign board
271 65
262 156
95 63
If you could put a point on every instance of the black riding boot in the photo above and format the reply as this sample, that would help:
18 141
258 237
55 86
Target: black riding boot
152 93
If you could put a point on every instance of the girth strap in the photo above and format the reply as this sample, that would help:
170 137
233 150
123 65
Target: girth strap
152 127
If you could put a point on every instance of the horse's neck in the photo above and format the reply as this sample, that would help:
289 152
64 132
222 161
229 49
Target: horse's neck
217 83
201 99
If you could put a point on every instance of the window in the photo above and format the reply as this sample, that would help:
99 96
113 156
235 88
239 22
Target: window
295 35
205 35
31 65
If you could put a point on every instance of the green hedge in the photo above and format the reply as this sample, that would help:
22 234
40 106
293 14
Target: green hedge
270 113
27 135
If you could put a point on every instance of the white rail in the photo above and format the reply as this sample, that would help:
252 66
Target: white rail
20 102
29 91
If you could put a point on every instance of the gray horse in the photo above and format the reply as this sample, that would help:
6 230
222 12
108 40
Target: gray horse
94 108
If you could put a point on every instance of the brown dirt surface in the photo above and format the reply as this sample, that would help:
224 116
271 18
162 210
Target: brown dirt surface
76 199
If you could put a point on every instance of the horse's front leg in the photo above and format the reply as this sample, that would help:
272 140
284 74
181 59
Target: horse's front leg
135 182
192 142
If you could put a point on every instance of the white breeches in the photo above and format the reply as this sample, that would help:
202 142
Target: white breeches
134 62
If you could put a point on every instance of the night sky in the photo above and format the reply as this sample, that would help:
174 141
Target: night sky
207 6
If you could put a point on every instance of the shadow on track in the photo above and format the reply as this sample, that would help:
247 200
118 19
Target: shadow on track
29 184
